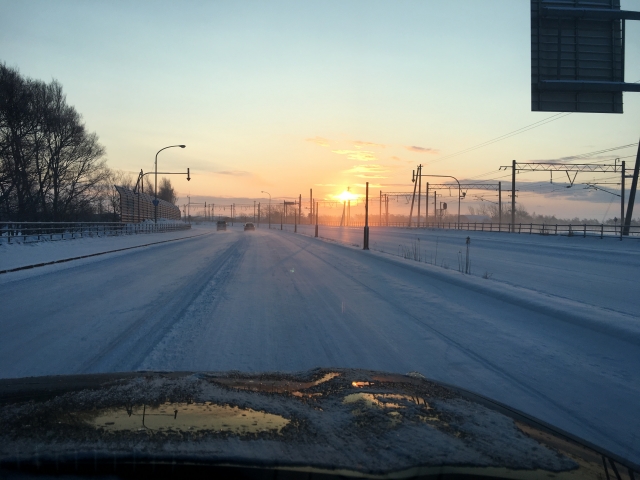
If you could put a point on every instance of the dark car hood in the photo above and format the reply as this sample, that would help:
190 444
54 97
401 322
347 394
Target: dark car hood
338 421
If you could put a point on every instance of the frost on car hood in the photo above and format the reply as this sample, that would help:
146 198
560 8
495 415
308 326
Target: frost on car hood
340 419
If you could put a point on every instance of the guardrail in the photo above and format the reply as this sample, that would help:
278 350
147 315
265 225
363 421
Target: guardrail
571 230
27 232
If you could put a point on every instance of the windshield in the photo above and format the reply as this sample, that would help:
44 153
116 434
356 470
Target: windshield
411 208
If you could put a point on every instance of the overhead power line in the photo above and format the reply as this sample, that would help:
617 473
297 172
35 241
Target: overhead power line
526 128
531 126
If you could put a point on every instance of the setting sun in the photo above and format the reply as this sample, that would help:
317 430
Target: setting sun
346 195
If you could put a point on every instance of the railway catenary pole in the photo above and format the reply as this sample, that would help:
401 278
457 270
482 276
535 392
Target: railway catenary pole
419 192
413 197
311 206
386 209
258 214
622 200
300 209
513 196
499 205
380 213
435 207
632 193
426 206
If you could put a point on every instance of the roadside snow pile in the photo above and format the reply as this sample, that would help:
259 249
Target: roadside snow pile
16 255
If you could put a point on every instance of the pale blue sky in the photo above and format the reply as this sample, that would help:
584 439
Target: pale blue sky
245 84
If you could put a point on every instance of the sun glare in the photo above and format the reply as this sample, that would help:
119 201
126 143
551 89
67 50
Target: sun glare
346 195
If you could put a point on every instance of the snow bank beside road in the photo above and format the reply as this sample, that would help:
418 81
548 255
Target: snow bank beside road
18 255
588 270
620 325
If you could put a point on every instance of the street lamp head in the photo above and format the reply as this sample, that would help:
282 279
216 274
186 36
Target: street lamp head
182 146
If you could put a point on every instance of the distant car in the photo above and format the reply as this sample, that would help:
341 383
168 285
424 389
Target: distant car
249 226
221 225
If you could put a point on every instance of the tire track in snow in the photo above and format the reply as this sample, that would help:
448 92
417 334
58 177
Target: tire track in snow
128 350
594 430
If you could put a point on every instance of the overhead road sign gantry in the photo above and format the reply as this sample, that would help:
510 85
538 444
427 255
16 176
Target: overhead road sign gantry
577 56
577 64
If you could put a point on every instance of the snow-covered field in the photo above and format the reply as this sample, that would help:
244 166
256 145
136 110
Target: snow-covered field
554 331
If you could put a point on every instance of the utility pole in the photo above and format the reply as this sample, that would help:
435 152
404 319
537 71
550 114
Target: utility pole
316 212
380 214
513 196
348 209
311 206
284 211
300 209
258 214
254 211
366 219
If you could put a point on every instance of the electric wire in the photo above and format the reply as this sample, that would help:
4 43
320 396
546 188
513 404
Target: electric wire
526 128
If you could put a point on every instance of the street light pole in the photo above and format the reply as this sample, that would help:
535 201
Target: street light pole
269 208
155 193
459 190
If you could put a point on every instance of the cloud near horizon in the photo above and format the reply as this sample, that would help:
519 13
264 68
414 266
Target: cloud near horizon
323 142
235 173
416 149
360 144
361 155
368 171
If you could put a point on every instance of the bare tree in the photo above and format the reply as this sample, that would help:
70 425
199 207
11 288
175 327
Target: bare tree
166 191
51 168
109 196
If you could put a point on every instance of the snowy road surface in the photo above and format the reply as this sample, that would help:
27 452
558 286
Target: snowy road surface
271 300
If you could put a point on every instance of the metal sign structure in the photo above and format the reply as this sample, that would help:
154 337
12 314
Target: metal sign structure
577 55
577 63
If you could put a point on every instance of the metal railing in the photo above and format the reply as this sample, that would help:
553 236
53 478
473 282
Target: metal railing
571 230
27 232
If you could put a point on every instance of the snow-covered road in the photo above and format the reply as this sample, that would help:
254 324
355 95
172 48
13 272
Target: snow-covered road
271 300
